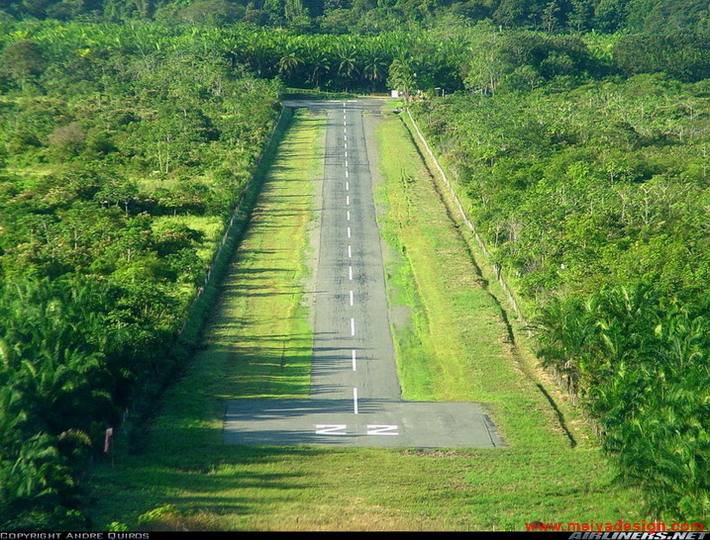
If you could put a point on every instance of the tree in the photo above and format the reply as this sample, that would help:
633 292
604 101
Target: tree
216 12
296 15
22 60
288 63
685 56
637 360
67 140
321 68
580 18
488 62
401 77
510 13
609 15
93 291
347 62
274 12
144 7
118 191
374 67
550 17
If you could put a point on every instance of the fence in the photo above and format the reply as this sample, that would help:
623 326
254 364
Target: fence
229 228
510 296
562 380
195 314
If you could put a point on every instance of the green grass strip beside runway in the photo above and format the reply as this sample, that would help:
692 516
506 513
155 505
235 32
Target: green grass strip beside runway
455 345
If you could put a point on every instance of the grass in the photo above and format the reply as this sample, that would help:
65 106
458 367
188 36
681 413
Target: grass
187 479
456 346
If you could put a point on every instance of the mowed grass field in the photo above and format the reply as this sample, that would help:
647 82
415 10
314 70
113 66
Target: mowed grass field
450 346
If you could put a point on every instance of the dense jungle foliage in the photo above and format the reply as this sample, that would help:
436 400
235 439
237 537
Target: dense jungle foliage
117 176
375 16
594 199
124 147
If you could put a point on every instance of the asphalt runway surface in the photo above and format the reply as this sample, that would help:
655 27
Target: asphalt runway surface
355 398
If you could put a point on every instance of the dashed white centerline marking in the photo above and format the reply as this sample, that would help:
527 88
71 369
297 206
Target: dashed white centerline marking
354 361
348 232
347 186
350 273
352 326
348 212
346 173
347 200
352 299
346 162
350 252
355 400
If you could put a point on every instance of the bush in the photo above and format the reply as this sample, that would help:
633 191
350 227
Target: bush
684 56
67 141
22 60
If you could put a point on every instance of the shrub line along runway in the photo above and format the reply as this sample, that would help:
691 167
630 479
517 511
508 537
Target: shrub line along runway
355 397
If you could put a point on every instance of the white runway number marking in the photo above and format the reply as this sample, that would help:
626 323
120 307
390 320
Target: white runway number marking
330 429
382 429
372 429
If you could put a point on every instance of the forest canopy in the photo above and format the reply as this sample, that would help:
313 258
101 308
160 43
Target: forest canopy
370 16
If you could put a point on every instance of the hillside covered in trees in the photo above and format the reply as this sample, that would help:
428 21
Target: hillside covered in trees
129 129
118 173
370 16
594 201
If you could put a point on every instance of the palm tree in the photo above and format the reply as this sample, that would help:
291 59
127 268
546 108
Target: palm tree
288 62
321 68
347 63
374 68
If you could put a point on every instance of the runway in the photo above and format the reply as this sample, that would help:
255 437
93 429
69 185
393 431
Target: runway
355 396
